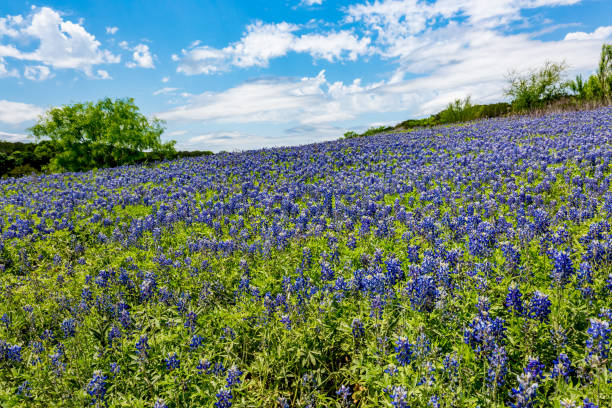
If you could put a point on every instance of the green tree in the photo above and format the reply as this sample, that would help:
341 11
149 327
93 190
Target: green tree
537 87
578 86
460 110
101 134
604 71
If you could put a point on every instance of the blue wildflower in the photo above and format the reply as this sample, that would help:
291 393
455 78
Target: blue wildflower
172 362
404 351
97 388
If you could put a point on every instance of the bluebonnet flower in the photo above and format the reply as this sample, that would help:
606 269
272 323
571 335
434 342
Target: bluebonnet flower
10 352
422 346
498 365
148 285
113 334
588 404
562 367
345 393
286 320
69 327
224 397
142 345
524 396
160 404
514 301
6 320
125 319
563 268
233 377
423 293
115 369
357 328
535 368
598 342
56 359
24 389
391 369
451 366
398 395
97 388
434 402
172 362
196 341
203 366
539 307
404 351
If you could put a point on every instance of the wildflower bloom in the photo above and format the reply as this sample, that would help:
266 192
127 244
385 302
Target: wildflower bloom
562 367
172 362
97 388
598 342
404 351
539 307
224 397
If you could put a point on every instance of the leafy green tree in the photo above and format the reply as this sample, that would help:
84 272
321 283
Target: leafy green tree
578 87
460 110
101 134
537 87
604 71
592 89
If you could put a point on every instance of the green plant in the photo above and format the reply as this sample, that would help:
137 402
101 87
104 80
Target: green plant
604 71
106 133
538 87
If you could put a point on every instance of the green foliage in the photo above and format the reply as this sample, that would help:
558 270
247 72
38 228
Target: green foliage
457 111
537 87
102 134
604 71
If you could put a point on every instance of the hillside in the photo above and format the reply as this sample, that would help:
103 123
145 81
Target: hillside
449 266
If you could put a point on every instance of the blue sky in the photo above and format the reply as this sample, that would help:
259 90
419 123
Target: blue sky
234 75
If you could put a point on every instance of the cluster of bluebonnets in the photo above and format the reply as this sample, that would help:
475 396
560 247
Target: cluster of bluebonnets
455 266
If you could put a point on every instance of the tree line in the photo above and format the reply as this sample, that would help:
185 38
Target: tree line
537 89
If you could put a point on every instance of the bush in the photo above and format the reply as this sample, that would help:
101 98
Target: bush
538 87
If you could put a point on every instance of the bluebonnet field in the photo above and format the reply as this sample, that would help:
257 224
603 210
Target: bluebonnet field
448 267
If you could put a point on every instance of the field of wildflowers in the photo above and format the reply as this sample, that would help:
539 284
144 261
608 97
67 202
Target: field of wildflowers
458 266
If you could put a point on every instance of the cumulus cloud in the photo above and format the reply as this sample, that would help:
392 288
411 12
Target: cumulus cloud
263 42
601 33
16 112
37 72
5 71
141 57
112 30
61 44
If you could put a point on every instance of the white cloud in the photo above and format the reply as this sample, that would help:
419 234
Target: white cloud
37 72
112 30
311 2
62 44
164 91
14 137
601 33
6 72
309 100
177 133
141 57
263 42
102 74
165 79
17 112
